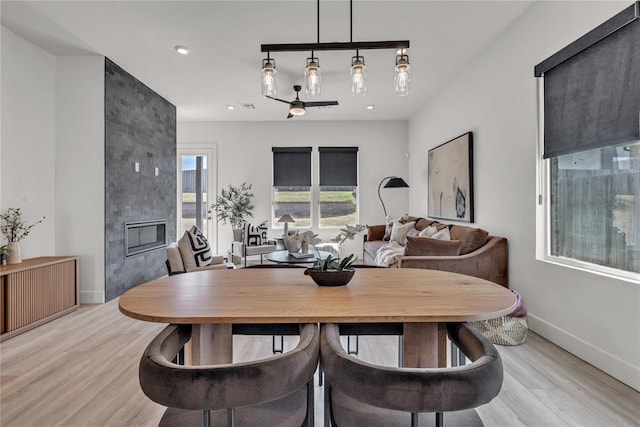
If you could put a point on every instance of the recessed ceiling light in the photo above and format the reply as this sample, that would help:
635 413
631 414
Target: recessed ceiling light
182 50
231 107
370 107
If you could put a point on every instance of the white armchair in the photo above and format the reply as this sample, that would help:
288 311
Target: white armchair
253 241
176 265
242 250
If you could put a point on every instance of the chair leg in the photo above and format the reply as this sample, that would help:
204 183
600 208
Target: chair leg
310 418
327 404
454 355
274 349
231 419
439 419
400 350
415 421
349 351
206 418
320 375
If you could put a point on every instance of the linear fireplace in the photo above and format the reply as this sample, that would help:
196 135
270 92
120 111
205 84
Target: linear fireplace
144 236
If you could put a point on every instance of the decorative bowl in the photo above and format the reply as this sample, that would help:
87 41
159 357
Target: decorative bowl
330 277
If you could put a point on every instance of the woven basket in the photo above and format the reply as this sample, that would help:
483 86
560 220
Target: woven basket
504 330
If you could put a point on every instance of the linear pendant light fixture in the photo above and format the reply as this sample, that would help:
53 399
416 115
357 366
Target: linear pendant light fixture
312 76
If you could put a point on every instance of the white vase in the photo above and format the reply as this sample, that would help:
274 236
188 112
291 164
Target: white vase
14 255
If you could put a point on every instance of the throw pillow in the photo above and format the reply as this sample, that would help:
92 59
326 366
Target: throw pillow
432 229
399 232
388 225
195 249
471 238
413 233
427 246
255 235
442 235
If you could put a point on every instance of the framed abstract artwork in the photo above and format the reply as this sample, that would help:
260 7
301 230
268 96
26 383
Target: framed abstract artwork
450 179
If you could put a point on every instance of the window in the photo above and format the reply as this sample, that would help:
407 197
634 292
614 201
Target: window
336 196
292 185
595 203
338 186
592 148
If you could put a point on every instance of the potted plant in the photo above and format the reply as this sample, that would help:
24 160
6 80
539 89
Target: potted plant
234 205
332 272
14 229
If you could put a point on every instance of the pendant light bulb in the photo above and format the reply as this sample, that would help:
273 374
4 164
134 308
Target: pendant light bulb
312 78
269 84
402 80
358 76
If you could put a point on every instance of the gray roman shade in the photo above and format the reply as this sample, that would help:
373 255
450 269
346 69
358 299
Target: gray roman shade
338 166
592 88
291 166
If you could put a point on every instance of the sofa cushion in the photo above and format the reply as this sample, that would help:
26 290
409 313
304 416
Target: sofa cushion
399 232
375 232
175 258
195 249
422 223
426 246
472 238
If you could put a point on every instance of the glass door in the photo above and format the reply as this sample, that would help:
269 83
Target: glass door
196 190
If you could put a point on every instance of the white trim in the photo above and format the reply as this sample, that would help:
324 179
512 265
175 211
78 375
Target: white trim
210 150
91 297
611 273
607 362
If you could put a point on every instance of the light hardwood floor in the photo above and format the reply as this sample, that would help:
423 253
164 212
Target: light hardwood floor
81 370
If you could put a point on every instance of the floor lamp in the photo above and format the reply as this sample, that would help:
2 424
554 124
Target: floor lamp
394 182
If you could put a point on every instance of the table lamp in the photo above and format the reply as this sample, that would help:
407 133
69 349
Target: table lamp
394 182
286 219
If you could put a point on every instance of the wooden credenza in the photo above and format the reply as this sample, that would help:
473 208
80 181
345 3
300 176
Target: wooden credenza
36 291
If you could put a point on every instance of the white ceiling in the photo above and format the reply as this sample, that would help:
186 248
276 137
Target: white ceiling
223 66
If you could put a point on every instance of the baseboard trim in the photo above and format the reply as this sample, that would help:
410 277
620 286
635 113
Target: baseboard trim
606 362
93 297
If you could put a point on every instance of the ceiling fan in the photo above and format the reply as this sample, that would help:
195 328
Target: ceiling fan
297 107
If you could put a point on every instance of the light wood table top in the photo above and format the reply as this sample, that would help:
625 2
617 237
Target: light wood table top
212 300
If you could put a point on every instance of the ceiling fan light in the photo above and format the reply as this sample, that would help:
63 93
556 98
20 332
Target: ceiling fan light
312 78
297 111
269 83
358 76
402 79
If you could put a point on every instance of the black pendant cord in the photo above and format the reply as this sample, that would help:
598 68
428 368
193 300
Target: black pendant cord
351 21
318 16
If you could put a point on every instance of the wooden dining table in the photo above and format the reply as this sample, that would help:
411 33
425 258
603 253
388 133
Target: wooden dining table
421 299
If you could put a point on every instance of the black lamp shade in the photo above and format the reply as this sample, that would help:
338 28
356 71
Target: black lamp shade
396 182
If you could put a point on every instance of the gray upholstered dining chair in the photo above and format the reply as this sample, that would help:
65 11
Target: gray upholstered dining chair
274 391
360 393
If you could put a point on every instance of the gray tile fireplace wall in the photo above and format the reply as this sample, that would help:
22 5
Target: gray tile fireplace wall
140 136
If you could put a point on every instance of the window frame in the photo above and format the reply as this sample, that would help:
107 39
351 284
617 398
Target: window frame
544 216
315 193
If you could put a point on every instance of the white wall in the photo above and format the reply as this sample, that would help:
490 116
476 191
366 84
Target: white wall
53 154
244 154
28 139
592 316
80 169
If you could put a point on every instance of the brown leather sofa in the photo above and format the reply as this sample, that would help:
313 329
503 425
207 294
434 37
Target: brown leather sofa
486 256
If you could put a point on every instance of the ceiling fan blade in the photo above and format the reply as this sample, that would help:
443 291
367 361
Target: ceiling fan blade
277 99
320 103
289 115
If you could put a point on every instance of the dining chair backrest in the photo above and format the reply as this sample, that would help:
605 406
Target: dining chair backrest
277 390
408 390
